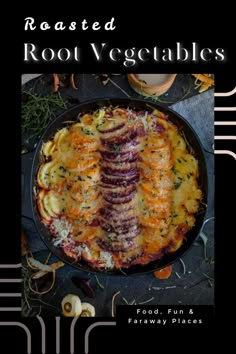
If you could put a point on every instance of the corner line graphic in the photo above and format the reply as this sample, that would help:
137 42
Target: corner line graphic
25 328
89 329
226 152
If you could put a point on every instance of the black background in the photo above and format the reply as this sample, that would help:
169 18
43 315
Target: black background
134 29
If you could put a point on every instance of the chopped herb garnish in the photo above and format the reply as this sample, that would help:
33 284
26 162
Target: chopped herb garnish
177 184
179 160
89 177
61 176
174 170
115 148
97 114
62 168
78 233
80 178
87 207
87 132
190 174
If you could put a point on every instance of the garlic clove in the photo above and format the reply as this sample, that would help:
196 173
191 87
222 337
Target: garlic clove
88 310
71 306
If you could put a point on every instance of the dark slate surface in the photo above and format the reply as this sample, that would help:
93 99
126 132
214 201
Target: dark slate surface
185 286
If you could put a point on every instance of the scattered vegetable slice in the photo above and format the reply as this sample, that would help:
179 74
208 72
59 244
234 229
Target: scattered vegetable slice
44 285
203 82
56 82
88 310
84 285
71 306
163 273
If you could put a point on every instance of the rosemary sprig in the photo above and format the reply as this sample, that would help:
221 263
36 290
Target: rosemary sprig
31 305
37 111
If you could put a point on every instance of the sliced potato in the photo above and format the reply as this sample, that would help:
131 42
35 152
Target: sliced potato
40 203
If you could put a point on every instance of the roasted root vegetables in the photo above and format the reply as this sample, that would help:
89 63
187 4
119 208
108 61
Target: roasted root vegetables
118 187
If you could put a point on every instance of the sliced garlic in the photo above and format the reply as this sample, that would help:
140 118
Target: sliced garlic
88 310
71 306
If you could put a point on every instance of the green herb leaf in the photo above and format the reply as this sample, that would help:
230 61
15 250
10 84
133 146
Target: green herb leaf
174 170
37 111
87 132
78 233
115 148
177 184
62 168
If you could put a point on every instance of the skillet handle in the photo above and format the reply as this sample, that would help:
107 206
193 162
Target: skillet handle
26 165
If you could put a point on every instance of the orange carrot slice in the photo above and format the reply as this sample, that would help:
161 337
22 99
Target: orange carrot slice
204 78
163 273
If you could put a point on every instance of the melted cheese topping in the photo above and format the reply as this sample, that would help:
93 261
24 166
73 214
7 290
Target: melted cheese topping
114 196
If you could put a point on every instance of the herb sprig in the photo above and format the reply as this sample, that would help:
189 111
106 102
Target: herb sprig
37 111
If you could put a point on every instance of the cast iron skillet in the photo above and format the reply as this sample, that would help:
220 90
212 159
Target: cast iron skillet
193 141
